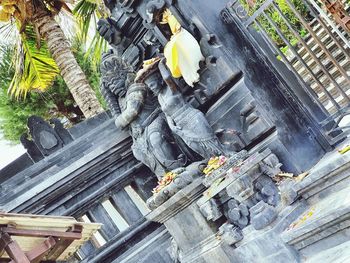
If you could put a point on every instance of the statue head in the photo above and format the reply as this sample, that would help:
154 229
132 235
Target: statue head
116 75
154 82
150 75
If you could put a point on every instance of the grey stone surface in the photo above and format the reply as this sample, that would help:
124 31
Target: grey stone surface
178 202
262 214
230 234
337 254
322 219
331 171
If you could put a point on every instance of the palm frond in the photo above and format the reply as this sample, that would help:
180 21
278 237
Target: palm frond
35 69
87 13
8 32
94 52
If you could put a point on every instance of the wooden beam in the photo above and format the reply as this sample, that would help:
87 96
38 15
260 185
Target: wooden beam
62 243
40 233
38 253
3 245
13 249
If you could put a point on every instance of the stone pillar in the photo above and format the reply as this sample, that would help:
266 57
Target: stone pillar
195 238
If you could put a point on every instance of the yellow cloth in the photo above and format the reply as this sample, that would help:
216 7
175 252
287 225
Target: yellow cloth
182 52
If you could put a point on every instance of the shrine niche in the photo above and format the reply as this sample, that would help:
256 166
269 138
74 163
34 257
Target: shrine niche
237 105
46 138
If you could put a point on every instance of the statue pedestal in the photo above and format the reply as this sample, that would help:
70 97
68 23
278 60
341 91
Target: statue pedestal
193 234
209 218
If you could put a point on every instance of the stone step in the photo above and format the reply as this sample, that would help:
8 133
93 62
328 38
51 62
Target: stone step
323 226
337 254
329 173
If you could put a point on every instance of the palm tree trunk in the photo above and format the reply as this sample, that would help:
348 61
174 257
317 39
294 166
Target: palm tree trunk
71 72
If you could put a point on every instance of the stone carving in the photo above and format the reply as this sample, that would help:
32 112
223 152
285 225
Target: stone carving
61 131
116 75
266 190
230 234
174 251
234 160
184 176
109 32
245 193
152 7
134 106
31 148
237 214
211 210
45 138
185 121
262 214
167 131
119 31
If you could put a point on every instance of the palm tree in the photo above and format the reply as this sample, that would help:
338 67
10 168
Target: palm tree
34 19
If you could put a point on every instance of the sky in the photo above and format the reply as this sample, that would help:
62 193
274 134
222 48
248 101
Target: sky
9 152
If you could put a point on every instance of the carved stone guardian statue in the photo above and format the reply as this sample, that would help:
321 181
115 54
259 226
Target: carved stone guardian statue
135 106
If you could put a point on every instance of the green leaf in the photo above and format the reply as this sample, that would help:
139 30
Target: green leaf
87 13
35 68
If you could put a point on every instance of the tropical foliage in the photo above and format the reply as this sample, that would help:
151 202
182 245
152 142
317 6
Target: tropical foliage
43 51
35 68
56 102
87 13
278 20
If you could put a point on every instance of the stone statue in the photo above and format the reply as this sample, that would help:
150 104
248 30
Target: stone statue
116 76
119 31
134 106
185 121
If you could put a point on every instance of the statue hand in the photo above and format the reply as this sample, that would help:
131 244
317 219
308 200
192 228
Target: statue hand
166 74
119 123
163 69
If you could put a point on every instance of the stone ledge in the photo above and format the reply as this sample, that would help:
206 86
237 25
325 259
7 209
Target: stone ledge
178 202
212 245
321 221
327 173
340 253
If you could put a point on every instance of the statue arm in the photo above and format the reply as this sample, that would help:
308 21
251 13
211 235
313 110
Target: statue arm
111 100
166 75
135 98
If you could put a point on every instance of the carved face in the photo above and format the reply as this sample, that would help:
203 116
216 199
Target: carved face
116 74
154 83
